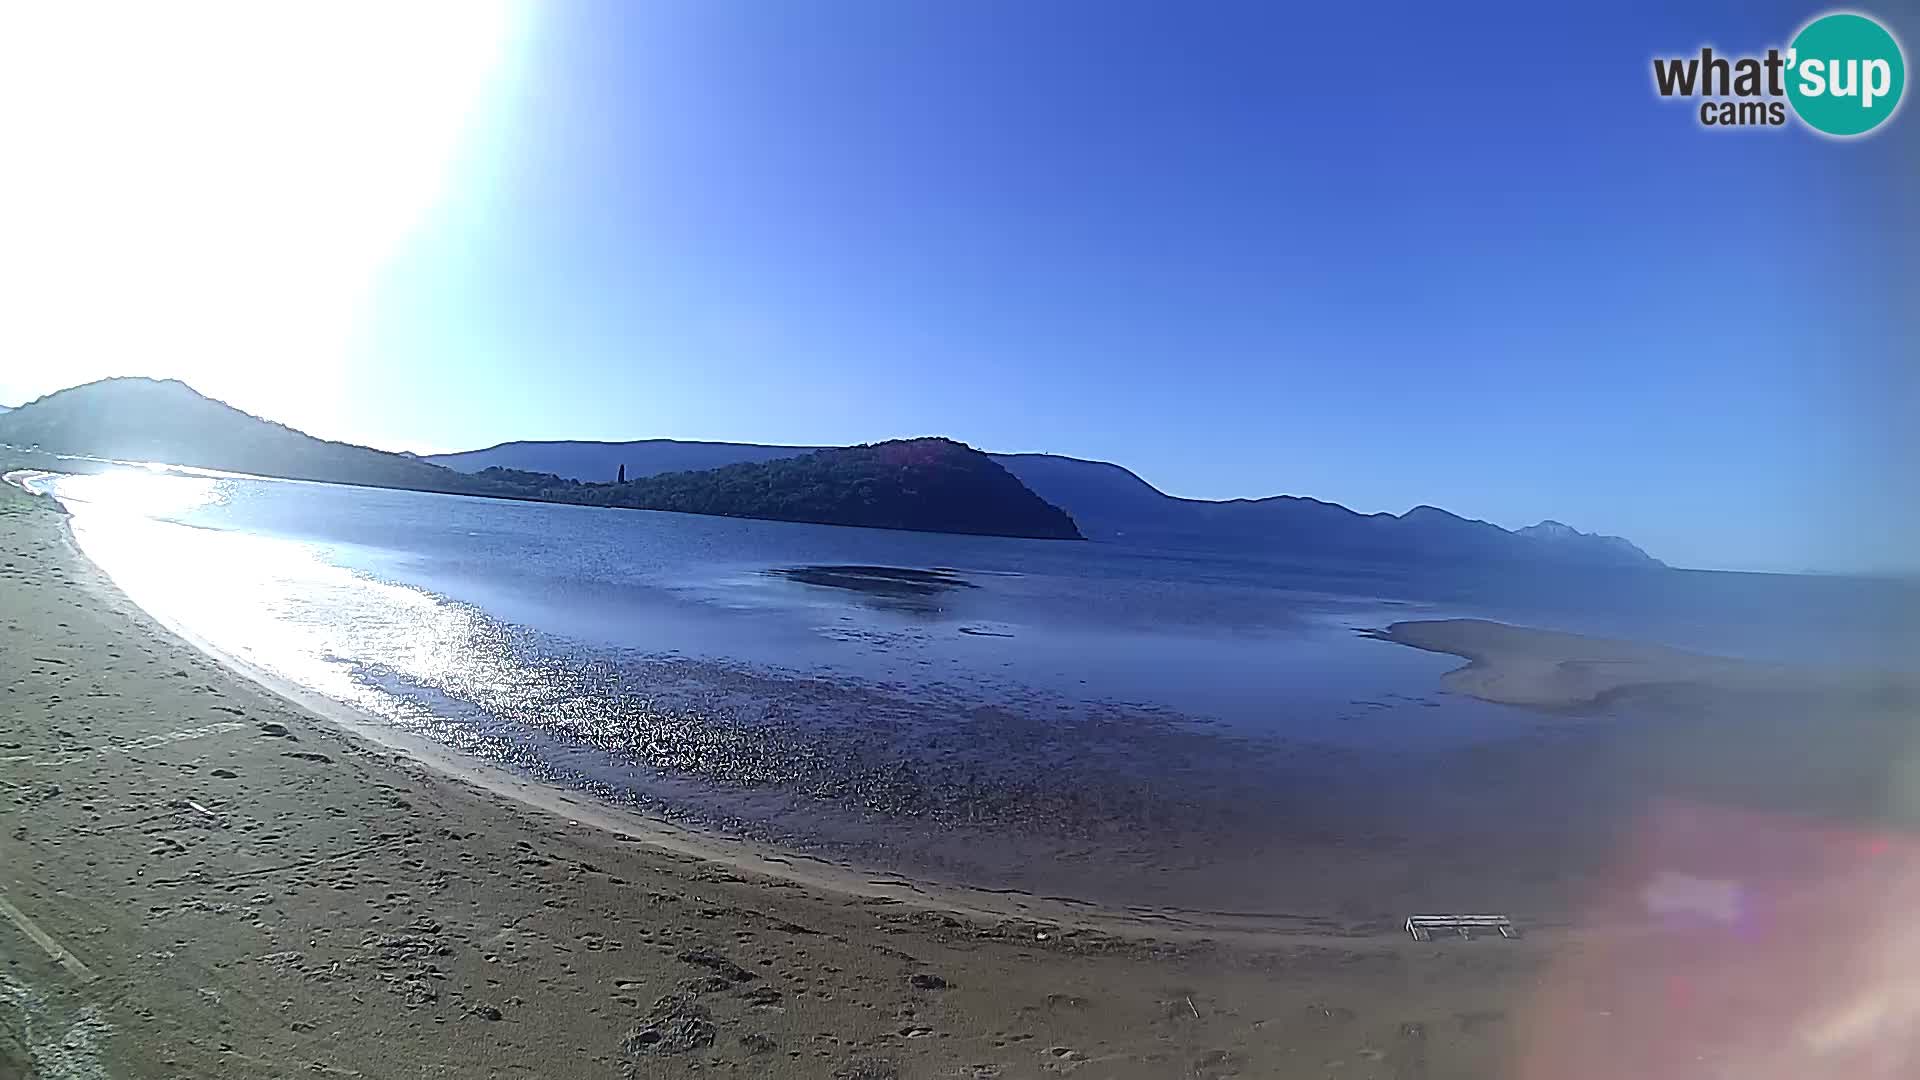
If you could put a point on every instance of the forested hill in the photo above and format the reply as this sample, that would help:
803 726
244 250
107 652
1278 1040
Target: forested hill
1110 502
933 485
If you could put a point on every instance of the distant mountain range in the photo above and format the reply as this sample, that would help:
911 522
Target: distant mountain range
935 485
1109 502
150 420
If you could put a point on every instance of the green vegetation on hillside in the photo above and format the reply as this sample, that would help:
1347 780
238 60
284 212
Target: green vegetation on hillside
934 485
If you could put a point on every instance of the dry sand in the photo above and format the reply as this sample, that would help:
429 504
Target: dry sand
240 888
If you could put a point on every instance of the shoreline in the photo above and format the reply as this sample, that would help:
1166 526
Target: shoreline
253 890
1147 923
205 876
1287 839
1542 671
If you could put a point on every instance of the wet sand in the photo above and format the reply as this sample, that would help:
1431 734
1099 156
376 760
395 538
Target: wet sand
202 878
1514 665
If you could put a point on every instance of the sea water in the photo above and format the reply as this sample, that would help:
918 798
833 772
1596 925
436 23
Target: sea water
1092 718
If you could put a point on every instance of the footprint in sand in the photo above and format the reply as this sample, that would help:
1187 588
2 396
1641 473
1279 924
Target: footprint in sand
758 1044
1062 1059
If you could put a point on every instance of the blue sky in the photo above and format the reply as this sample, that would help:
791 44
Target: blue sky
1377 254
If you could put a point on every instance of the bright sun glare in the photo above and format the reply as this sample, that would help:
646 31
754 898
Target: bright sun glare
207 190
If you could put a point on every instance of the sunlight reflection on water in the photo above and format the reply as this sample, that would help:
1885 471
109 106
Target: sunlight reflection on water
275 604
143 492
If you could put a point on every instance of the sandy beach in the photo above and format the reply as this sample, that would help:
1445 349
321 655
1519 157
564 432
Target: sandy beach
202 878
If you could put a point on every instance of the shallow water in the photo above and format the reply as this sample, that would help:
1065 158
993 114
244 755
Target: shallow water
1126 724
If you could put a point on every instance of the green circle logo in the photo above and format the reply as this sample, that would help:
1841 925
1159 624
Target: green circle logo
1845 74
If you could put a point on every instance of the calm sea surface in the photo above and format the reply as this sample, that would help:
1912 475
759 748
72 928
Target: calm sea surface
1082 717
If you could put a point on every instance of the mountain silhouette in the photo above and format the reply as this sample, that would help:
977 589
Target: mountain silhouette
1110 502
935 485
